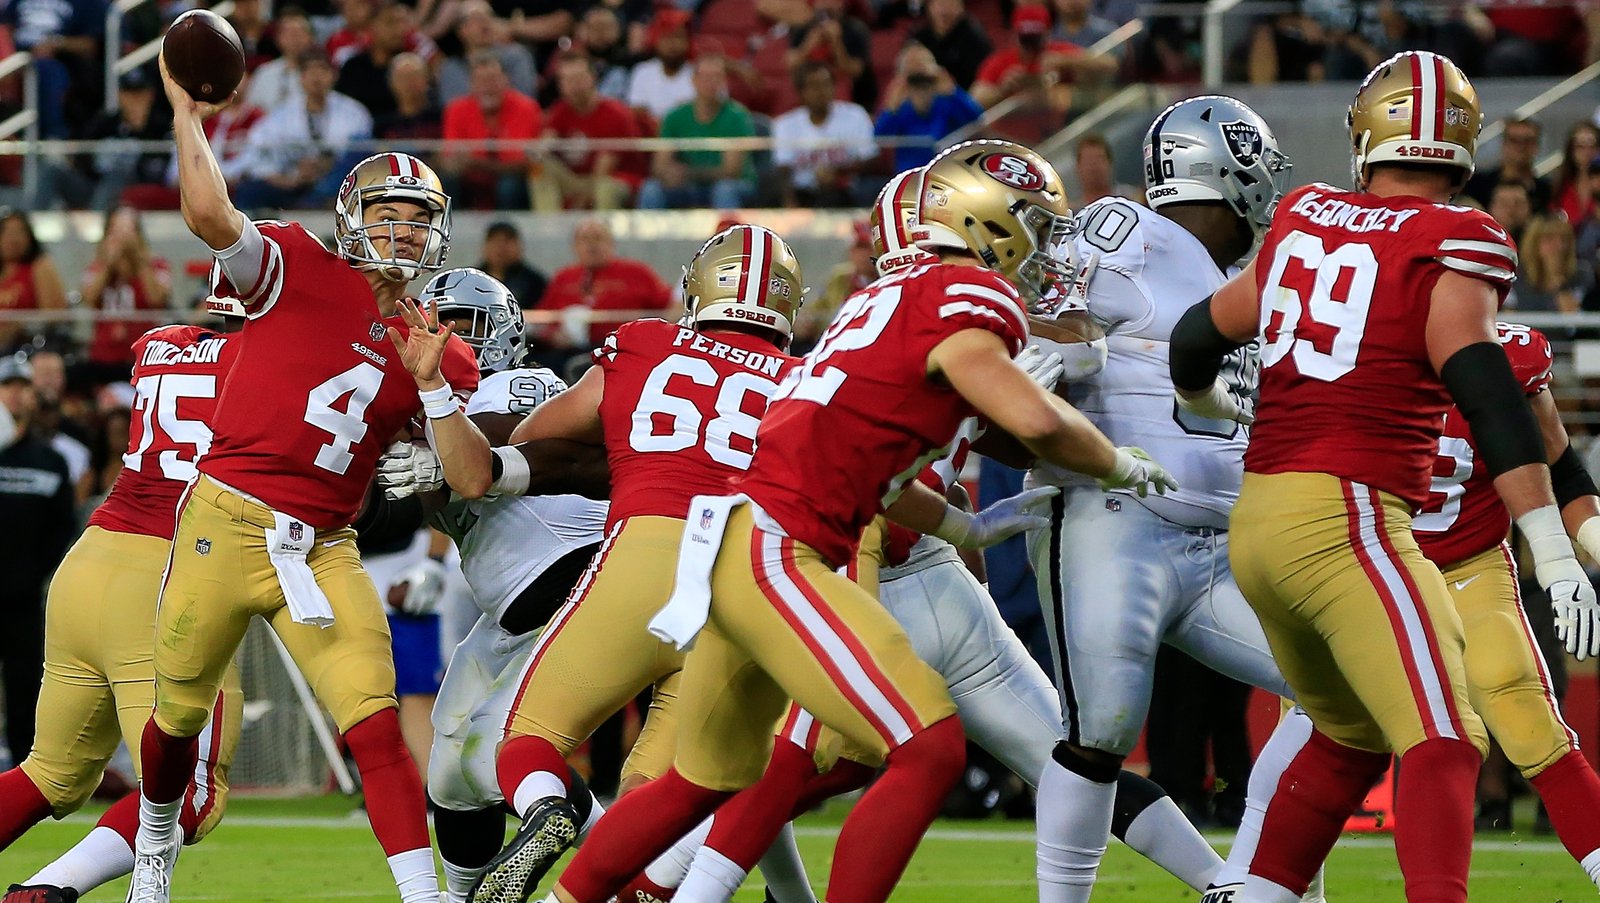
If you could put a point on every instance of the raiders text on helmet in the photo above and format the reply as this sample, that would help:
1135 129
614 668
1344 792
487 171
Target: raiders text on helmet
391 177
1416 107
496 333
894 218
745 274
1214 148
1001 202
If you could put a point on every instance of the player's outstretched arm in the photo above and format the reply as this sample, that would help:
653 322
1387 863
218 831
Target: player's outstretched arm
203 192
1205 334
573 414
1574 488
462 448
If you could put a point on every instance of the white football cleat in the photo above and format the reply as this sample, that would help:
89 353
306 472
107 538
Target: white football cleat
1223 893
152 872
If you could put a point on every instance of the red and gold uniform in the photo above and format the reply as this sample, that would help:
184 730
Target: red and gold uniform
99 682
1340 459
1463 530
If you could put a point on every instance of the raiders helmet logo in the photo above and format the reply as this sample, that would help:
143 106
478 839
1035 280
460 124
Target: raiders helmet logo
1244 141
1009 169
377 332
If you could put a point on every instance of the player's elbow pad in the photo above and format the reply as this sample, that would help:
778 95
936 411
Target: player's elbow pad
1570 479
1198 348
1481 383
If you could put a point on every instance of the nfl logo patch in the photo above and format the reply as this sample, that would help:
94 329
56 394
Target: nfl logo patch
1113 505
377 332
297 531
202 546
706 518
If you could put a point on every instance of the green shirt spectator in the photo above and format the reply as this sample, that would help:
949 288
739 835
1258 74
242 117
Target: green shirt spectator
700 178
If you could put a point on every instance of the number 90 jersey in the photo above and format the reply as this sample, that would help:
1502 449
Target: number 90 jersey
680 411
1346 280
1464 515
860 416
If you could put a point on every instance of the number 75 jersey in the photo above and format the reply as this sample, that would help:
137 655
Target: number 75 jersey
1346 282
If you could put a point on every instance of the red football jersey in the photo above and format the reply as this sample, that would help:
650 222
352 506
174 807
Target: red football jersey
178 372
860 416
318 391
680 411
938 476
1346 280
1464 515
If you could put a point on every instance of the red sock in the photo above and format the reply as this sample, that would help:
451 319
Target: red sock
883 830
523 755
845 775
641 889
21 806
123 818
167 763
390 783
1571 793
747 824
1433 819
1315 795
637 829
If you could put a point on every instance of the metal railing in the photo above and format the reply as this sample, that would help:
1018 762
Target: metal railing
118 64
1130 96
25 120
1538 104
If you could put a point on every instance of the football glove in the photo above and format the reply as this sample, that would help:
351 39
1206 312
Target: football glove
1137 471
1218 403
424 583
1572 596
407 468
1043 367
998 522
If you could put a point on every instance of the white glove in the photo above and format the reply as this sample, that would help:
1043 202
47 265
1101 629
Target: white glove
1043 367
1136 470
998 522
1219 404
424 583
1572 596
407 468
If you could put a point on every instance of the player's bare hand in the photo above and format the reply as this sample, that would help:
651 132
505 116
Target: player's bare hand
422 345
1137 471
183 103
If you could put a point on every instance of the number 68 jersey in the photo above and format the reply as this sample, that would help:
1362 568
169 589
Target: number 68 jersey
1346 281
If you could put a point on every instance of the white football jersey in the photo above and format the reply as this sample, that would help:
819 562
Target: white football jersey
507 541
1151 271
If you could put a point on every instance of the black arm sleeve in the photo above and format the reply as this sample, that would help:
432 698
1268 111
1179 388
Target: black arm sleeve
385 520
1570 479
1504 428
1198 349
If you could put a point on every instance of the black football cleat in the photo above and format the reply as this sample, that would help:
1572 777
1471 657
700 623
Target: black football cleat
39 893
549 828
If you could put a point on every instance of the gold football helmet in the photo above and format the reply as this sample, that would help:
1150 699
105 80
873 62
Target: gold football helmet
894 216
1416 107
1003 203
399 177
745 274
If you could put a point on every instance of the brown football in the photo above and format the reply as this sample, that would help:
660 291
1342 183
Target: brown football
204 55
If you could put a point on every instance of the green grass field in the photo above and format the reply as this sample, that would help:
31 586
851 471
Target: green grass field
319 849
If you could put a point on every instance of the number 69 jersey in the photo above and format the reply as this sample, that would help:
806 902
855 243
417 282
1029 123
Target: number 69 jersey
1346 280
1464 515
680 411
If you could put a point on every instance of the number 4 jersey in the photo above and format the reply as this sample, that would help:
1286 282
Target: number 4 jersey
1346 281
1464 516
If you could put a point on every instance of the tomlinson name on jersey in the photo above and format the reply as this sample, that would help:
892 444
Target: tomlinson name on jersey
1341 215
165 354
771 365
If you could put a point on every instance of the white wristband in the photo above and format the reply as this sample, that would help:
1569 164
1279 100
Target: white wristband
439 403
515 475
955 526
1547 542
1589 538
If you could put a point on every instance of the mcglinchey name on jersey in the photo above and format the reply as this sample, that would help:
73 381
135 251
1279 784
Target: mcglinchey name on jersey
1338 214
767 364
160 353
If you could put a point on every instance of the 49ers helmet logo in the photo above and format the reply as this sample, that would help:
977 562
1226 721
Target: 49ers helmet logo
1014 171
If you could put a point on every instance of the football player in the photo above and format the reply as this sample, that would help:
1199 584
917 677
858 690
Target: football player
883 393
99 679
1462 529
1120 575
322 383
1375 309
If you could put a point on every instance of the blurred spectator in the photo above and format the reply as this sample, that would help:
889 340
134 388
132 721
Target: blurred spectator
110 443
1511 208
123 277
96 180
51 424
634 19
295 152
28 280
584 179
1519 148
1573 192
958 42
664 82
64 38
478 31
490 179
840 40
1358 35
541 24
922 102
600 38
229 135
845 279
365 75
1097 174
1285 48
1535 38
414 114
1033 62
598 282
250 22
1552 278
1077 24
37 492
701 178
502 259
277 82
355 29
810 173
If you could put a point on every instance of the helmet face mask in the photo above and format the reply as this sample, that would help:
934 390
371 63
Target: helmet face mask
1214 148
1418 108
496 329
744 275
385 178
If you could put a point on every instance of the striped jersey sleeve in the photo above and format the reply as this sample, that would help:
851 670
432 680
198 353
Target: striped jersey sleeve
253 268
1529 353
981 299
1475 245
